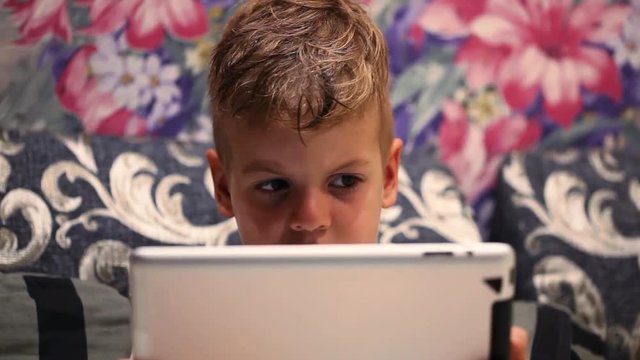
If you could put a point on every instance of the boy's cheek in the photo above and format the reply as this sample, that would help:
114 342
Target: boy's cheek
259 217
361 216
354 217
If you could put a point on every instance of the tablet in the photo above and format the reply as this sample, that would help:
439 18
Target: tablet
330 302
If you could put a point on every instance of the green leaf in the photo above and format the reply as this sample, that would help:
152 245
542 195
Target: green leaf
562 138
175 49
409 83
438 85
78 16
29 100
384 15
422 75
631 132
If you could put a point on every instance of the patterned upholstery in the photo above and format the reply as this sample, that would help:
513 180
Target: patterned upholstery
574 219
76 206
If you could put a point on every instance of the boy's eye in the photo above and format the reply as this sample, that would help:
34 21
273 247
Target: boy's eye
345 181
273 185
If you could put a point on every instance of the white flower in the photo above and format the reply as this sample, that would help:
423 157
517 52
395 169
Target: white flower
128 85
197 58
160 112
136 81
159 85
159 80
106 61
627 47
110 46
117 73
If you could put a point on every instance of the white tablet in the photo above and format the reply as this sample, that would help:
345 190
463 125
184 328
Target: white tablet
330 302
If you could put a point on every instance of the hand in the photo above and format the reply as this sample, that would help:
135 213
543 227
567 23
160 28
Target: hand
519 343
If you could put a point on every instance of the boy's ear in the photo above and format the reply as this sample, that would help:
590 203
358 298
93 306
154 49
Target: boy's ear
220 184
390 190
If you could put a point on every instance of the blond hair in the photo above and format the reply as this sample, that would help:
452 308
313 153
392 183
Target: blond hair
302 63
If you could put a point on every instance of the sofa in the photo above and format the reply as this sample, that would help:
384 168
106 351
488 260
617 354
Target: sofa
73 207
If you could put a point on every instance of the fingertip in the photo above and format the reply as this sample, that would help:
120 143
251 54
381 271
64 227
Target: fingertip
520 335
519 342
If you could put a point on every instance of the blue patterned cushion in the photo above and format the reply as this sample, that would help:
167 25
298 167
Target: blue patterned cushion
75 207
574 219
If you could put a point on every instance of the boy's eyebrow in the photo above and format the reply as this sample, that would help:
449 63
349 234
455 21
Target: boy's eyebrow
274 167
262 166
352 163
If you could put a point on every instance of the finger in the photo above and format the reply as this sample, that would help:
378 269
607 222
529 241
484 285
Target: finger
519 343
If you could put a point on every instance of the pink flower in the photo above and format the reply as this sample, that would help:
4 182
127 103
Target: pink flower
533 47
78 92
450 18
482 62
147 20
474 151
37 18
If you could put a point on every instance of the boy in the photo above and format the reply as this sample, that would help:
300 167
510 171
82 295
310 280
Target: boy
305 152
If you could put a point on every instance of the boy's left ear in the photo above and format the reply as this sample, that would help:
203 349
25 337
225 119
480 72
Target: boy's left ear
390 190
220 184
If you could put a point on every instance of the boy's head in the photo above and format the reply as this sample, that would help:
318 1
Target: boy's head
302 123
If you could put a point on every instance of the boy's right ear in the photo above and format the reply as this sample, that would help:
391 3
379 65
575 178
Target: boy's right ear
220 183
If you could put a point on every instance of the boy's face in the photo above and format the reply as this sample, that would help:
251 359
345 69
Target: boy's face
329 189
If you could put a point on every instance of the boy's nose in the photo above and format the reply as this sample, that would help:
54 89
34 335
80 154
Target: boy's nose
312 212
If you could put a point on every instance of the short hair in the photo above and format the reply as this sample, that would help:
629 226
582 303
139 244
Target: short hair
303 63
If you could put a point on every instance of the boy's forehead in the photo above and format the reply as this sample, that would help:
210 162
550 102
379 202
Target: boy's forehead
354 123
355 133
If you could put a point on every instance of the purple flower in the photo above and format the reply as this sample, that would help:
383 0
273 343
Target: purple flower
407 42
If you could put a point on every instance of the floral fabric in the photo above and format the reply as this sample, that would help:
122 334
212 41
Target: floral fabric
472 80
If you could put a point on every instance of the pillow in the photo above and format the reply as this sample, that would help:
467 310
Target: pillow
430 206
76 206
573 218
44 317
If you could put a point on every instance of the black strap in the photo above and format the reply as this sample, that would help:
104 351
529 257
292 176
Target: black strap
501 318
552 340
60 318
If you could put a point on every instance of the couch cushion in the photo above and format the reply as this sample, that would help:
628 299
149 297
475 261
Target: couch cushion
46 317
76 206
574 219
